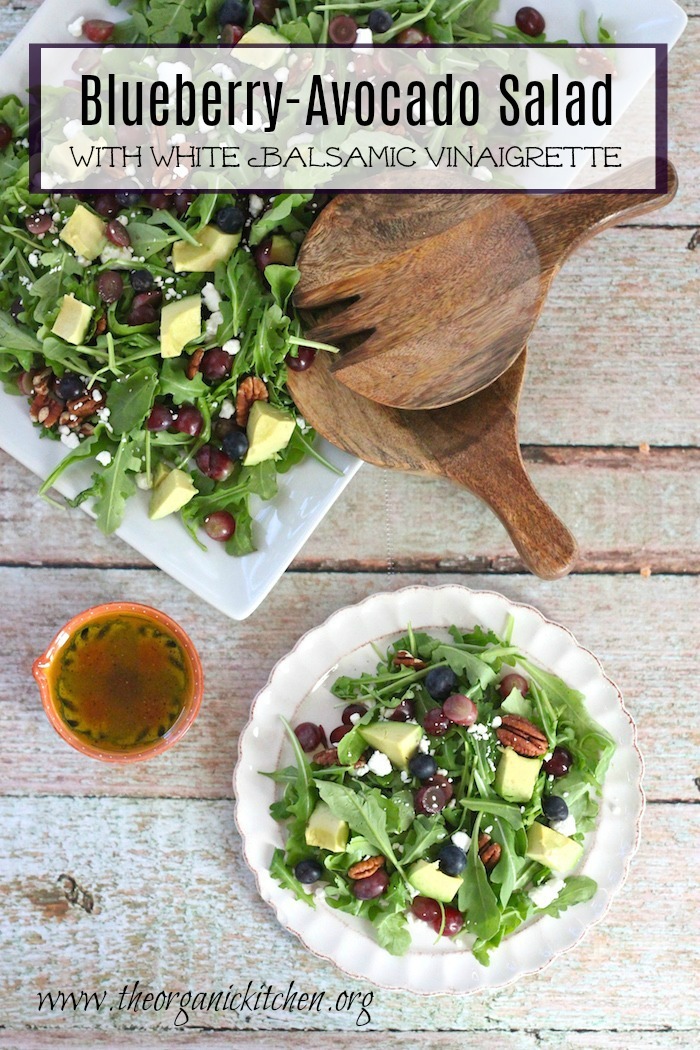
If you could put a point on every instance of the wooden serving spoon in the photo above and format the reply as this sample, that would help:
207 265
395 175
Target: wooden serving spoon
474 443
436 294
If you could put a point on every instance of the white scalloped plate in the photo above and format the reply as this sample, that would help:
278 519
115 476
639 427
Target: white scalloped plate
298 689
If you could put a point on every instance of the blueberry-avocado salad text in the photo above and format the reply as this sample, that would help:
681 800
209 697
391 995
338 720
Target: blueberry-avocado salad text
456 792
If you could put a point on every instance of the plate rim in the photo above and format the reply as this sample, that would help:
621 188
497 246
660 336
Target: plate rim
476 593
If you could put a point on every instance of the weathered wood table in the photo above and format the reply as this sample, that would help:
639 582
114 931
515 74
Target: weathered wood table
115 875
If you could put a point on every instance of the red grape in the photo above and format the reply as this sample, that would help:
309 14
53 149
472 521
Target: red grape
110 286
411 37
220 525
342 30
162 417
38 223
436 722
338 733
371 887
156 200
460 709
189 420
98 30
118 234
264 11
440 780
5 135
216 365
529 21
308 735
513 681
453 921
214 463
560 763
305 357
429 800
106 205
231 34
353 709
427 910
403 711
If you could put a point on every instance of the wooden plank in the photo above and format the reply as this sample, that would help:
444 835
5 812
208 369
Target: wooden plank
605 1039
643 630
199 924
431 525
684 114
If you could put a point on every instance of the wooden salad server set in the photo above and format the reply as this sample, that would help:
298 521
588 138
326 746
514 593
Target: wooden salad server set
447 289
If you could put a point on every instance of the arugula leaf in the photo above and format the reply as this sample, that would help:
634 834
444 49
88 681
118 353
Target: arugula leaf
118 485
131 399
306 790
282 280
424 833
577 890
476 897
506 810
392 933
275 216
463 662
350 748
18 339
174 383
364 816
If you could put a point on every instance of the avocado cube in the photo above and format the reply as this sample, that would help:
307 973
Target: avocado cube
73 320
551 848
397 740
214 247
171 494
269 431
84 233
283 251
262 57
431 882
516 776
180 322
326 830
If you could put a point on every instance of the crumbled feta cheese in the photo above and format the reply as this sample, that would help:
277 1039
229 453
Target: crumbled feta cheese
355 718
96 395
177 139
360 771
168 72
496 722
231 346
547 756
33 259
221 70
123 219
255 204
227 409
461 839
281 75
564 827
380 764
116 253
105 458
479 731
70 440
442 772
488 830
405 777
543 895
424 745
213 322
482 173
143 482
76 28
364 36
210 297
180 171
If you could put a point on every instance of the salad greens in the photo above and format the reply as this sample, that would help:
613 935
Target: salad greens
117 359
382 805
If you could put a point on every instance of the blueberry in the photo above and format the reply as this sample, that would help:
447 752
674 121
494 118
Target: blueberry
70 386
555 808
308 871
141 280
422 766
452 859
441 682
380 21
235 444
229 219
233 12
126 197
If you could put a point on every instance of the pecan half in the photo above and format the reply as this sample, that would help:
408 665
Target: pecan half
405 659
194 362
250 390
489 851
82 407
364 868
41 381
49 413
329 757
525 738
101 325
